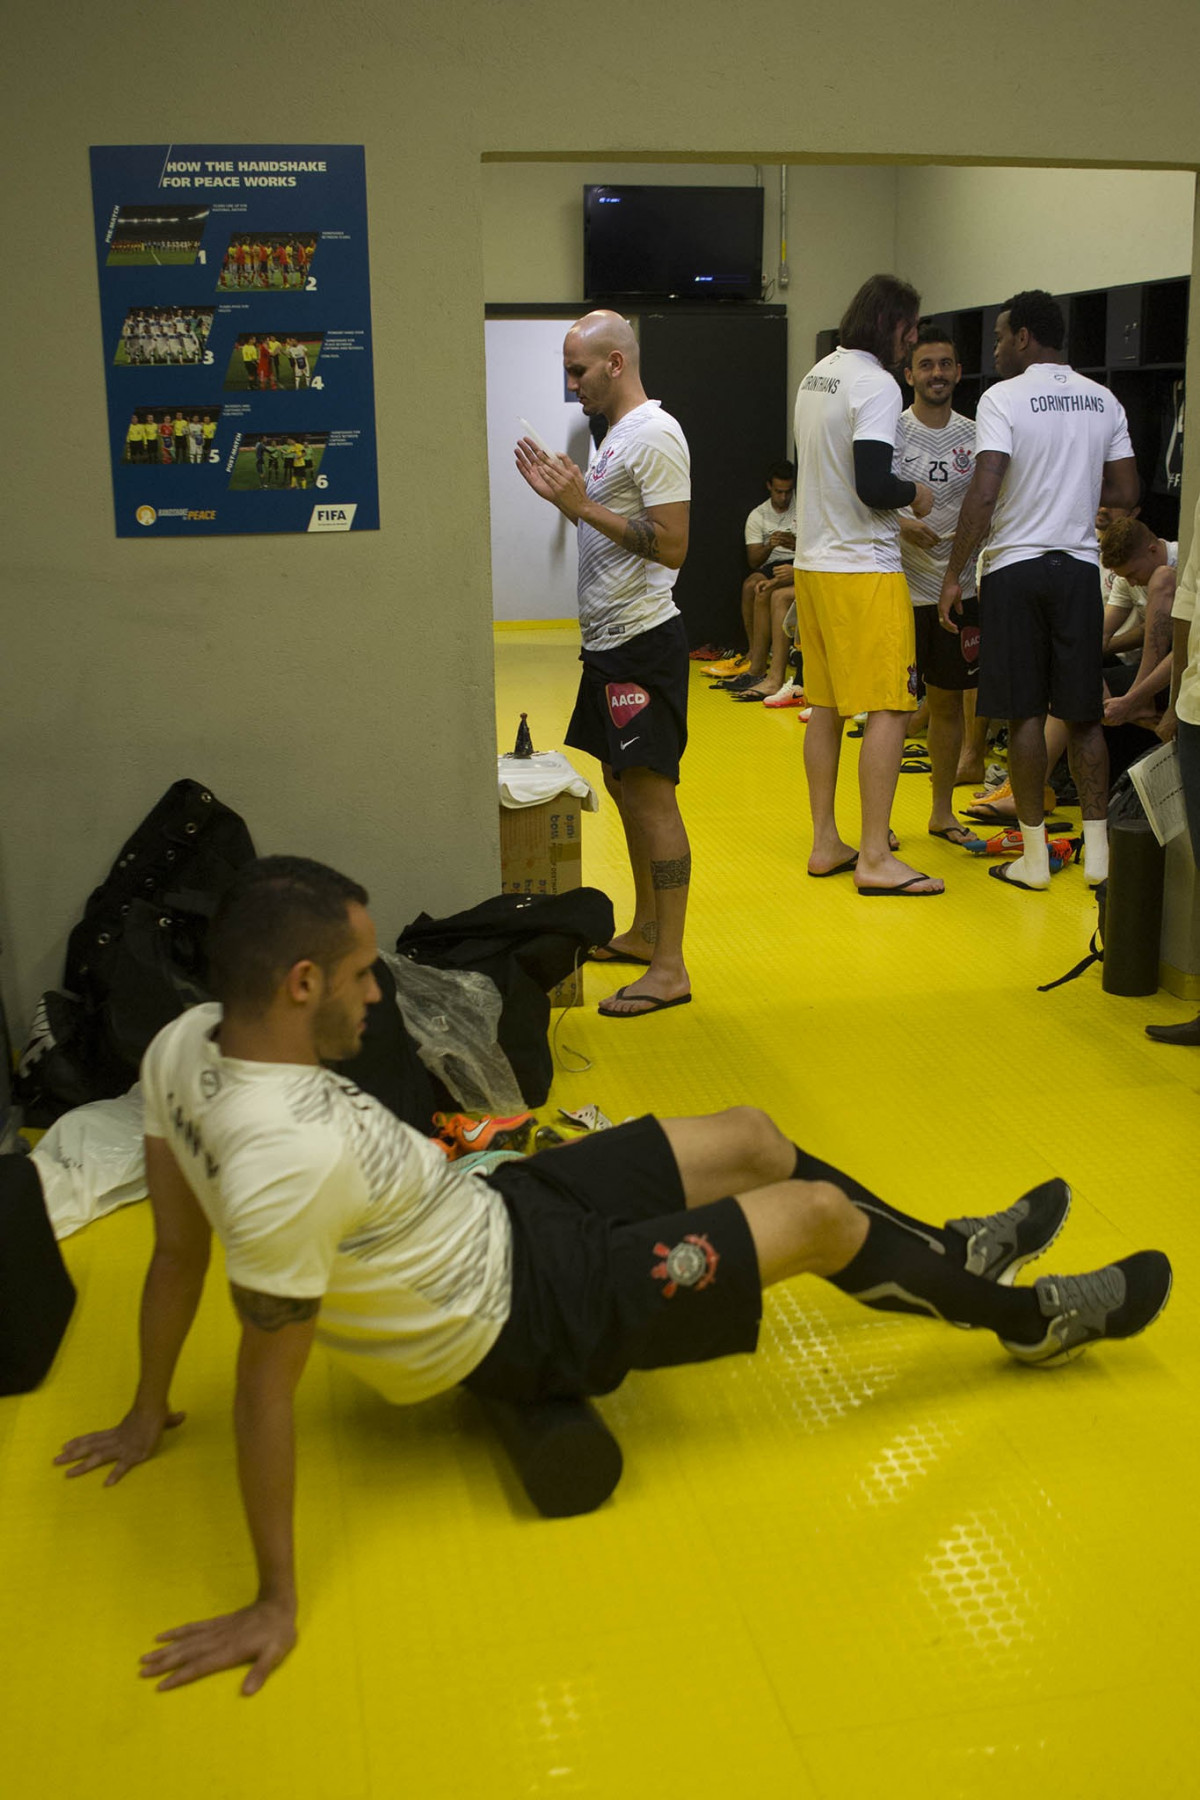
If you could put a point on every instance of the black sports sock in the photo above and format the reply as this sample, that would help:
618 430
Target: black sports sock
811 1168
903 1267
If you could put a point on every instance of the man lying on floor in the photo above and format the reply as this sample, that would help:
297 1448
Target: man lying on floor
547 1278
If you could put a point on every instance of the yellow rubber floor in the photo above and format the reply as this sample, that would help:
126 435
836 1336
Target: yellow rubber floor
876 1559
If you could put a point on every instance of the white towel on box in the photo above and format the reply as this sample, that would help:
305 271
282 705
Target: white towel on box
532 780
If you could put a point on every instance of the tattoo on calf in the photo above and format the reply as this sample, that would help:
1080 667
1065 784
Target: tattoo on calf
674 873
271 1312
641 537
1087 757
649 931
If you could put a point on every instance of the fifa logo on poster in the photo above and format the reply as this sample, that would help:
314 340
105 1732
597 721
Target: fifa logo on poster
145 515
333 518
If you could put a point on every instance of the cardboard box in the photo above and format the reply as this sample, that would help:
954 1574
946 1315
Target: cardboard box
541 853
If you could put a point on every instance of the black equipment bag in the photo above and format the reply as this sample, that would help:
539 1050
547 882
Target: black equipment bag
181 858
37 1295
526 944
388 1066
136 959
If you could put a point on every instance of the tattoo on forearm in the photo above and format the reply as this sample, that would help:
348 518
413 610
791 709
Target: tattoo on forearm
967 538
641 537
271 1312
674 873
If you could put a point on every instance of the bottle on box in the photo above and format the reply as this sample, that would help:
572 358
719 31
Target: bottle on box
524 744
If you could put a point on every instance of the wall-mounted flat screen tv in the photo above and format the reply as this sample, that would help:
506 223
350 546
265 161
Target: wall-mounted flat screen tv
672 243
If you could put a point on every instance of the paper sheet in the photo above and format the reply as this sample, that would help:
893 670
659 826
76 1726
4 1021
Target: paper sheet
1159 787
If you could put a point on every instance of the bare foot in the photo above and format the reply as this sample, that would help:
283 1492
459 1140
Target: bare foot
1004 808
836 855
968 774
890 872
635 945
953 831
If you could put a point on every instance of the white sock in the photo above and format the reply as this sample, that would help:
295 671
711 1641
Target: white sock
1033 865
1095 850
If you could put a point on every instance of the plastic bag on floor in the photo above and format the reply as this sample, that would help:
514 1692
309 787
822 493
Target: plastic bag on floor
453 1016
92 1160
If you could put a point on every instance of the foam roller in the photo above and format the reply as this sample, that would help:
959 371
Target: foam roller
37 1295
568 1460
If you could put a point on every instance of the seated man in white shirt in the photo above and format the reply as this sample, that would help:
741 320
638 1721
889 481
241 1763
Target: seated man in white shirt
770 536
1138 611
552 1277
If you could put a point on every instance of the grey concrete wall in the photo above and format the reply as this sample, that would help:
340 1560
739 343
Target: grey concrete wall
338 691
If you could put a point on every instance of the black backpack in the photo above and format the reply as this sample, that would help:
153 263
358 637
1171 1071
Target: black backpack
136 959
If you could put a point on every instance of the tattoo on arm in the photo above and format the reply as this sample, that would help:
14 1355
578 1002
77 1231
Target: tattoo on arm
641 537
674 873
271 1312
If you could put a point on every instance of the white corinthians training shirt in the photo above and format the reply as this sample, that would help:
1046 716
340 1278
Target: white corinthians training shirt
1060 429
316 1191
849 396
944 459
642 461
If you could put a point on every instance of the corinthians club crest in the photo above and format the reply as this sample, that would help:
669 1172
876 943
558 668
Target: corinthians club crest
690 1264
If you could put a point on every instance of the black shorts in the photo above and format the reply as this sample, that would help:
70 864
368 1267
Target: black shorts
612 1272
944 660
1189 773
1042 633
631 709
772 570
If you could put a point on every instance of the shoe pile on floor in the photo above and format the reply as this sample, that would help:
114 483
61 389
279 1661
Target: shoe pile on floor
732 675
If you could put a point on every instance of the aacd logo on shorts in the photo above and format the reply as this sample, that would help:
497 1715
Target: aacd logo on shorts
968 638
625 701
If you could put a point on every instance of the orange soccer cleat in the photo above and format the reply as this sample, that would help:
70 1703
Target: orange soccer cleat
461 1135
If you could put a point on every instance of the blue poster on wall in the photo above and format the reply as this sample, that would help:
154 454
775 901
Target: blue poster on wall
236 311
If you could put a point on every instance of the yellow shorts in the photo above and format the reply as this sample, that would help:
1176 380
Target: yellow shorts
857 640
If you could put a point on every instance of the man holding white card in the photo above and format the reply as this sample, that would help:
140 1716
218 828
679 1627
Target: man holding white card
632 513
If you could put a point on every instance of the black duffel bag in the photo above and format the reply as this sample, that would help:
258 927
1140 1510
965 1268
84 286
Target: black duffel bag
526 944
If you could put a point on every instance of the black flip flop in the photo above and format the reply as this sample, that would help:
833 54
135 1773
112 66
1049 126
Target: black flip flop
997 874
971 838
842 868
902 890
647 1003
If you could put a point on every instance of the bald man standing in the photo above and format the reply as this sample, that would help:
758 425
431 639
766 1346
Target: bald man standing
631 511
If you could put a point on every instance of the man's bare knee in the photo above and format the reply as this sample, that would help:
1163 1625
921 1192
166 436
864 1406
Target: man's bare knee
758 1138
834 1225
